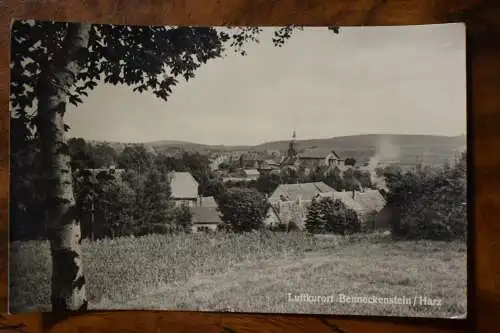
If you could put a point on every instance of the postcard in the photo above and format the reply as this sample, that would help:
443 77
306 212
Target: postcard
305 170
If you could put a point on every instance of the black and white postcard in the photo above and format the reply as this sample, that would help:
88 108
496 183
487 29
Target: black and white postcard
307 170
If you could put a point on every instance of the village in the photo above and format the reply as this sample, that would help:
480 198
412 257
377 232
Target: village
292 180
289 202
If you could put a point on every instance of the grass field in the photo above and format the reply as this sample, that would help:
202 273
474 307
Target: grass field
253 273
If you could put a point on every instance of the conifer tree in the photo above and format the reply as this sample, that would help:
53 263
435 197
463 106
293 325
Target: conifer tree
315 220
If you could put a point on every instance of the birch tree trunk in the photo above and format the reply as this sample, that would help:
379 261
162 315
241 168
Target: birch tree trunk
58 75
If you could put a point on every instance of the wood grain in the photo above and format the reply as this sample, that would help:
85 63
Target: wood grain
484 107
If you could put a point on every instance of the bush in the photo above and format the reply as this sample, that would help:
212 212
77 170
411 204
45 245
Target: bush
243 210
429 203
332 216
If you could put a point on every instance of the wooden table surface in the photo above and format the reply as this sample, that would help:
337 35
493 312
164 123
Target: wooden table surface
482 18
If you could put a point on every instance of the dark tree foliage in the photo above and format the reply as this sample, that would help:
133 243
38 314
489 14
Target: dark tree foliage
243 210
26 197
350 161
429 203
289 176
135 157
332 216
214 188
112 205
183 218
315 220
364 178
155 196
223 166
106 204
340 219
334 179
81 155
85 155
350 181
103 155
268 182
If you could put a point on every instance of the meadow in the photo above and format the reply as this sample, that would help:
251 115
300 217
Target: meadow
254 272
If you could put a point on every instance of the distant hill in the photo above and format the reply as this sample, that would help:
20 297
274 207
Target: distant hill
393 148
368 140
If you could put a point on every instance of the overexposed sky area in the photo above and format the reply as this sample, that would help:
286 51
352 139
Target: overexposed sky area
404 80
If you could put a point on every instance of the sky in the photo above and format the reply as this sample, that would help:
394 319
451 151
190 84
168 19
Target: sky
365 80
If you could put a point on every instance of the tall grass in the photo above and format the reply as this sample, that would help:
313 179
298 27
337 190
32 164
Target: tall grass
251 272
122 268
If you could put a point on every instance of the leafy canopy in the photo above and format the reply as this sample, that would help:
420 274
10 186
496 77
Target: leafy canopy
243 210
146 58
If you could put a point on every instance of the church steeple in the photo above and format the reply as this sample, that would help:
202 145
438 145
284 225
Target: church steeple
292 150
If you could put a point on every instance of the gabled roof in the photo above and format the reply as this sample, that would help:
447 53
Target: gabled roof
364 202
318 153
271 162
208 202
305 191
251 172
183 185
205 215
371 200
348 200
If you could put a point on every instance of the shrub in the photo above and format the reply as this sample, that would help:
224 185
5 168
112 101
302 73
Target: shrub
429 203
332 216
243 209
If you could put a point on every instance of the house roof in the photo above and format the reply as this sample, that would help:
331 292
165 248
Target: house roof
305 191
208 202
371 200
183 185
235 179
251 172
363 203
318 153
205 215
271 162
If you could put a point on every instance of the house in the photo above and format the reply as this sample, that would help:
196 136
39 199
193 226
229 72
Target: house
250 174
205 219
207 202
369 205
289 203
205 215
310 159
184 189
287 213
268 166
303 191
218 160
244 175
319 157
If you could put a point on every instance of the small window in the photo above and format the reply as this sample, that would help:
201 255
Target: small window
203 229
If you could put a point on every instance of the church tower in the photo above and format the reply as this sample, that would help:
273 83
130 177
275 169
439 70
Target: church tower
292 150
